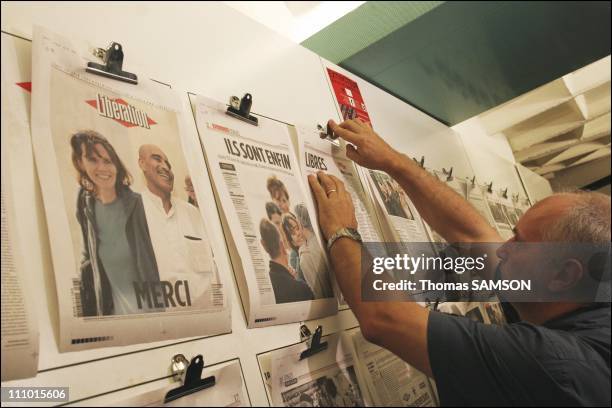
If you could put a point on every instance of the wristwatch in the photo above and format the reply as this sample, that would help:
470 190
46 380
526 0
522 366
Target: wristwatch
351 233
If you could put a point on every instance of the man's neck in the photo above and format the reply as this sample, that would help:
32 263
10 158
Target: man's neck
282 260
539 313
163 196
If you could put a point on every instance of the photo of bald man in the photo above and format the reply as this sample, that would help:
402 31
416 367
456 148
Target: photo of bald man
177 231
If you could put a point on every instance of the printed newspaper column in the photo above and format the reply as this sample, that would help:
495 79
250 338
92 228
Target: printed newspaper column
21 251
131 251
273 237
228 391
390 380
326 379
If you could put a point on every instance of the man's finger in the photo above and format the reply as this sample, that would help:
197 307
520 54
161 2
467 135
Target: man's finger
339 184
328 184
317 189
351 125
346 134
352 153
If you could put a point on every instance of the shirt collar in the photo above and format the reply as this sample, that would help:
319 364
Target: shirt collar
159 205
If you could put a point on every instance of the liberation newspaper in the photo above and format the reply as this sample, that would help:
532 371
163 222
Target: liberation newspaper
273 237
325 379
21 247
131 251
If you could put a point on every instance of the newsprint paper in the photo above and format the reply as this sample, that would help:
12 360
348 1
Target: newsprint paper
390 380
269 221
131 251
325 379
228 391
20 256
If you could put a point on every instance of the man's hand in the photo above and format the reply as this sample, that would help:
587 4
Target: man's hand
334 204
366 148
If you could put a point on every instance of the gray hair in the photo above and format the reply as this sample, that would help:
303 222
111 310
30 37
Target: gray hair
587 220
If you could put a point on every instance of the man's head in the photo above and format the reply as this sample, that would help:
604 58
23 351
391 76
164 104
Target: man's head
274 213
157 170
555 240
270 238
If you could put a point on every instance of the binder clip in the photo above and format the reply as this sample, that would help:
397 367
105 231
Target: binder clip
505 193
113 63
473 181
449 173
421 162
313 341
328 134
515 198
490 187
241 109
193 381
179 367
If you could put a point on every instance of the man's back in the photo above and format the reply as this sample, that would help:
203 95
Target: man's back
566 361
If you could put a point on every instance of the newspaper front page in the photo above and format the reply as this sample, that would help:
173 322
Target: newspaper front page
500 210
227 392
131 250
390 380
20 333
269 221
325 379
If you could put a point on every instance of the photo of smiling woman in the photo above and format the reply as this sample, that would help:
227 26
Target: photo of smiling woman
117 249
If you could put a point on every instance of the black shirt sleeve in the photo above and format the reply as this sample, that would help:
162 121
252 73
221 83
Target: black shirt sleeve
477 364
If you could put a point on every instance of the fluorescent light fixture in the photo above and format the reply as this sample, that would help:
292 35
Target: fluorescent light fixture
320 16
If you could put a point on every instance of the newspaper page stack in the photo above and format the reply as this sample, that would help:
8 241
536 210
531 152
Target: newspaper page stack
390 380
131 250
318 154
21 255
270 224
476 197
325 379
500 209
227 392
460 187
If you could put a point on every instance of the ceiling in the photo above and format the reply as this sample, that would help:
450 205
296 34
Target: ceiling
561 129
455 60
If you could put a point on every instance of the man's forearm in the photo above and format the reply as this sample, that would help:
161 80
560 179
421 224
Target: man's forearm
441 207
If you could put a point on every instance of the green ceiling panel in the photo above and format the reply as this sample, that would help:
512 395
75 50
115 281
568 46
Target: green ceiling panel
460 59
365 25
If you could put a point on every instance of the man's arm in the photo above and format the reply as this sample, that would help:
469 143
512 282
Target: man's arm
441 207
400 327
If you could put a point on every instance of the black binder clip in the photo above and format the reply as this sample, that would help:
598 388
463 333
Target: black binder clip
515 198
241 109
449 174
505 193
421 162
314 342
113 63
193 381
490 187
473 181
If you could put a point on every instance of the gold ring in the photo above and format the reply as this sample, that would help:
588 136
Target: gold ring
330 191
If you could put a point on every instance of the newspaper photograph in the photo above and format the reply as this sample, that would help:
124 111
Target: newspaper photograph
20 257
325 379
397 208
269 220
494 313
131 250
228 391
390 380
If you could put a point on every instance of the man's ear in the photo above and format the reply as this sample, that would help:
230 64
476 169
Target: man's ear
141 163
567 277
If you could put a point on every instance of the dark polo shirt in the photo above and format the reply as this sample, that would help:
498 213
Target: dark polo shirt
565 361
